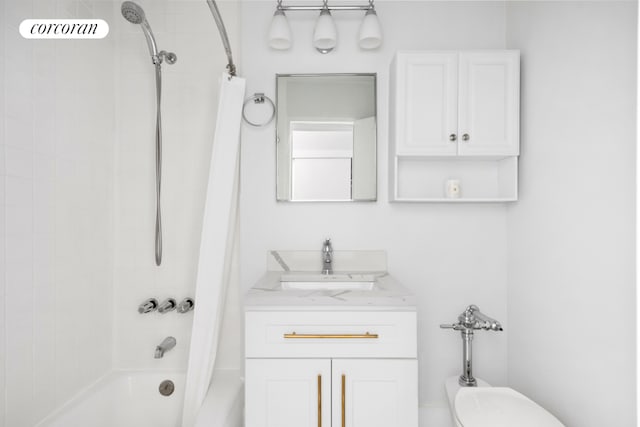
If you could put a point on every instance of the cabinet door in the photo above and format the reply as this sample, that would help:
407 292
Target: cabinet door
426 104
375 392
288 393
488 103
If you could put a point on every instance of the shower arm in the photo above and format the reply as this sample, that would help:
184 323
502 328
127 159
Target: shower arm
223 35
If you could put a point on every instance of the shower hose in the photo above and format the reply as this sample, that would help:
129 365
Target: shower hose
158 235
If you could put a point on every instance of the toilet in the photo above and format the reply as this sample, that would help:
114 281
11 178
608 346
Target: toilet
486 406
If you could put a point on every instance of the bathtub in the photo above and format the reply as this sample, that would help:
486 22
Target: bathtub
132 399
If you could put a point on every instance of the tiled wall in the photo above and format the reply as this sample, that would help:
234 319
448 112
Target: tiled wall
57 150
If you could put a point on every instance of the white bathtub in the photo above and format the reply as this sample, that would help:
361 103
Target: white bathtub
132 399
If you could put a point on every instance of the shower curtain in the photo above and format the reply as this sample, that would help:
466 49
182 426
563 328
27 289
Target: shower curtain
219 235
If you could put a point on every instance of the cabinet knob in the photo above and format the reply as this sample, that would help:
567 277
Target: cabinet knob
453 137
465 137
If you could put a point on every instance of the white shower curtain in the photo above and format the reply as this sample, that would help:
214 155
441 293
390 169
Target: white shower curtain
219 235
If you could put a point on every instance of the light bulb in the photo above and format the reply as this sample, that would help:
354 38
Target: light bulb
325 35
370 36
279 31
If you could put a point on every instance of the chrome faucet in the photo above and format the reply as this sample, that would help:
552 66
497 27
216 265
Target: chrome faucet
167 344
327 257
469 320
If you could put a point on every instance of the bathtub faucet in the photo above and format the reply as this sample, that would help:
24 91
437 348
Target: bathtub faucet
167 344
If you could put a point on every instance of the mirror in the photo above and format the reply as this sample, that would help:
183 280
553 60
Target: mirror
326 137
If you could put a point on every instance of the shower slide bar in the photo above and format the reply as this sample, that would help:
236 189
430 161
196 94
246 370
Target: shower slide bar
223 35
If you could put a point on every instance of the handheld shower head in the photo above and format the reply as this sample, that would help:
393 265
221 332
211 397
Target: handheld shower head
132 12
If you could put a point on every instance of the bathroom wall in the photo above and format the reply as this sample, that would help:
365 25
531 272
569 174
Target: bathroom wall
571 292
56 228
189 106
448 255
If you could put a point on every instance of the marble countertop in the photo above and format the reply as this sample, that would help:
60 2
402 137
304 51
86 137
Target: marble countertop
388 294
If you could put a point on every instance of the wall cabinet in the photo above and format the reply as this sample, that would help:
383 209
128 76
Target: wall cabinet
337 376
454 115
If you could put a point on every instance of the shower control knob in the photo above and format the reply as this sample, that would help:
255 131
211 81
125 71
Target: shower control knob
186 305
167 305
148 306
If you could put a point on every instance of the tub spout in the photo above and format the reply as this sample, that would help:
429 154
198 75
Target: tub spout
167 344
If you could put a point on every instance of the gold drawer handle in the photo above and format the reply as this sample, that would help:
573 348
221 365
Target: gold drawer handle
331 336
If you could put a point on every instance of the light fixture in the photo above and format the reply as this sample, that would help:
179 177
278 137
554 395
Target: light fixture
325 35
370 31
279 31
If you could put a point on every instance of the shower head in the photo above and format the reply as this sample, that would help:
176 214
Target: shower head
132 12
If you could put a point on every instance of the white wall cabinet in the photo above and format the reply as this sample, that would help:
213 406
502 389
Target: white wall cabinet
454 115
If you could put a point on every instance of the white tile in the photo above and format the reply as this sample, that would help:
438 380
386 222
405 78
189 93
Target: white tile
2 196
19 162
3 169
44 167
19 253
18 220
44 208
44 132
18 192
44 8
19 130
44 303
16 12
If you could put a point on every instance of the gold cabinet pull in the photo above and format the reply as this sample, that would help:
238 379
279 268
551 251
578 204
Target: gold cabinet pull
319 400
343 400
332 336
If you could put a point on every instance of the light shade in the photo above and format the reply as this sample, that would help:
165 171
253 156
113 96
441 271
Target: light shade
279 32
370 36
325 35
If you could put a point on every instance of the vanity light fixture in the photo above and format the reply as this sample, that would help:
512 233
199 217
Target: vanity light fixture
325 35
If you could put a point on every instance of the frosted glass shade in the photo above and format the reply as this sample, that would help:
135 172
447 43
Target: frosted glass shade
279 32
370 36
325 35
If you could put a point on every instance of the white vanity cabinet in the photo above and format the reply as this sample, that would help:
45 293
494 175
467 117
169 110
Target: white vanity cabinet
454 116
331 369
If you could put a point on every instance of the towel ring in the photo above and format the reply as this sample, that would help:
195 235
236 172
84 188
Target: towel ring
258 98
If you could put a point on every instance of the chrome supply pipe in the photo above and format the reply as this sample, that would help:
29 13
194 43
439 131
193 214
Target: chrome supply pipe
469 320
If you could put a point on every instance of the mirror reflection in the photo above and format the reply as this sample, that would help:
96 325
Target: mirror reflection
326 137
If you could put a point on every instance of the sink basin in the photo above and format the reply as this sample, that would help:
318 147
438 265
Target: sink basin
328 282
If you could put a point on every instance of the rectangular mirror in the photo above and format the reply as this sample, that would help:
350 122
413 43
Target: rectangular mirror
326 137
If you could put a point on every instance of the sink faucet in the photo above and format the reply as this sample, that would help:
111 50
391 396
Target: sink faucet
167 344
327 257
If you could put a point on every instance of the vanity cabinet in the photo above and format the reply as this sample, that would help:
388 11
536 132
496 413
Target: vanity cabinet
331 369
331 392
454 116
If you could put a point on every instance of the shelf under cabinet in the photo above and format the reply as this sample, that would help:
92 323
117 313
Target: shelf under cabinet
482 179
